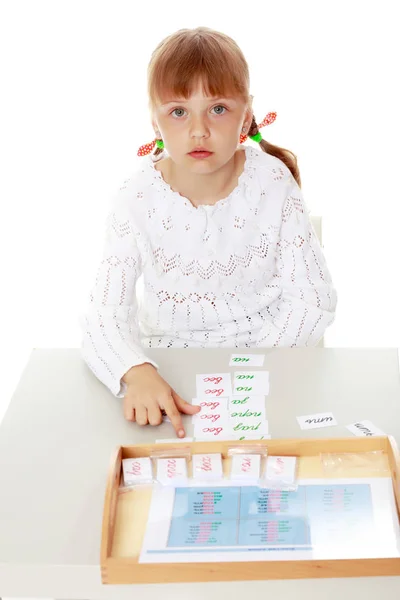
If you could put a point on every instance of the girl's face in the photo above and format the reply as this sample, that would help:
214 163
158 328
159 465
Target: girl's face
214 124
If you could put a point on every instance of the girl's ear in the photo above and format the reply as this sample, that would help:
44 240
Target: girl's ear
249 111
155 128
249 115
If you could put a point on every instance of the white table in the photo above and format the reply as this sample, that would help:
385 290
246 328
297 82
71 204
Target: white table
62 426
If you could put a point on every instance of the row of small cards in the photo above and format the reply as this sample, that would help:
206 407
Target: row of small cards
235 417
245 467
361 428
243 383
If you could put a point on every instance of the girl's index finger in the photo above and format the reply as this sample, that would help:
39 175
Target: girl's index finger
174 416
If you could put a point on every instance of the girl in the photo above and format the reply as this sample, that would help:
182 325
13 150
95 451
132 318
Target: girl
218 230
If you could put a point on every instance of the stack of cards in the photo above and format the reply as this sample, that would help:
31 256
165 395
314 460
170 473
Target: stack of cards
231 409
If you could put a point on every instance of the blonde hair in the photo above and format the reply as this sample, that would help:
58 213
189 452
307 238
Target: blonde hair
188 55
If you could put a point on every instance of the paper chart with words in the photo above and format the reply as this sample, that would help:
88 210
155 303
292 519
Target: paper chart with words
348 518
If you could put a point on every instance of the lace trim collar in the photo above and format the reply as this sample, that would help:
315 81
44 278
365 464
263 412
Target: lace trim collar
244 180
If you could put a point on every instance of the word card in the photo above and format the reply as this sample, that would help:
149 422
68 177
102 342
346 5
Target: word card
137 470
318 420
259 426
207 466
364 428
211 405
281 469
212 410
249 360
213 385
247 414
248 383
246 401
172 471
245 466
210 417
222 430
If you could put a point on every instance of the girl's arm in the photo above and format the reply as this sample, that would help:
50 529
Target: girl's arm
307 304
110 344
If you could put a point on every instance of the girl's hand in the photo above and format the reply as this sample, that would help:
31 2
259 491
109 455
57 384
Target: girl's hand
148 394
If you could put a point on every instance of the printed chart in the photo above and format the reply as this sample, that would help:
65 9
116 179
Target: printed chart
320 519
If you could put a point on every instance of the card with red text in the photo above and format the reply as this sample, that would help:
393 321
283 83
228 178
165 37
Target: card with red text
213 385
211 410
221 430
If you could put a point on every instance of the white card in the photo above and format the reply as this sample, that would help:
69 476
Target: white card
213 385
172 471
245 466
211 410
137 470
252 402
318 420
249 360
364 428
211 405
207 466
252 426
250 383
247 413
210 431
281 469
210 417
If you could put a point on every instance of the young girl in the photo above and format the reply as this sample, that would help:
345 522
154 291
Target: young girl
218 230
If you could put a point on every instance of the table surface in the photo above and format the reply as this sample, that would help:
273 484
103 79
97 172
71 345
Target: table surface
61 429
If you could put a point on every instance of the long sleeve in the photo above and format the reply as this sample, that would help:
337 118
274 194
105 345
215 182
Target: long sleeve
307 302
110 343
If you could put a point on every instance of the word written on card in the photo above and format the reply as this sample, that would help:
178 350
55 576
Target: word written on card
214 385
252 426
251 402
227 430
245 414
211 410
281 469
211 405
249 360
249 383
245 466
172 471
364 428
137 470
207 466
316 421
209 417
213 431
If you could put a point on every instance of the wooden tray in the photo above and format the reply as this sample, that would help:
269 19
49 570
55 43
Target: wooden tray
125 517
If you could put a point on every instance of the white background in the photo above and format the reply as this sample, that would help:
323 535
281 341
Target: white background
74 112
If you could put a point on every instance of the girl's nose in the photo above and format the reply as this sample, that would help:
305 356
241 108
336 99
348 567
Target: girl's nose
198 128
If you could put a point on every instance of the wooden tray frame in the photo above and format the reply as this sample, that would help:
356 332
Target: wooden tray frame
122 570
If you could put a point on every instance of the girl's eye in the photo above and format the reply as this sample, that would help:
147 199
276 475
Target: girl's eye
176 110
219 111
179 112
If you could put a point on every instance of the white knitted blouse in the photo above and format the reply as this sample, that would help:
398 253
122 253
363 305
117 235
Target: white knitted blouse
246 271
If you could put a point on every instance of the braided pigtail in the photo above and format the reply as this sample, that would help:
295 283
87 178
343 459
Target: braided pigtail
286 156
